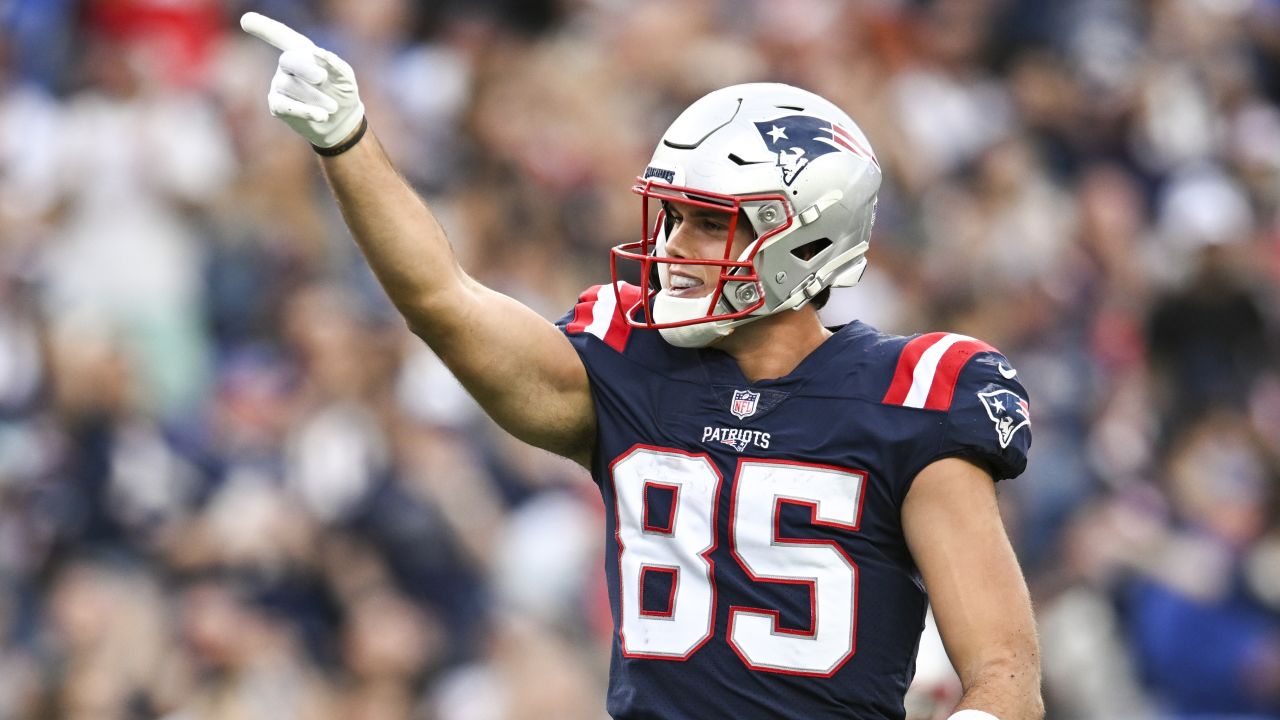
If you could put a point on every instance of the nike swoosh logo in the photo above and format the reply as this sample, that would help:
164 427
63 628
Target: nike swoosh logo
1008 373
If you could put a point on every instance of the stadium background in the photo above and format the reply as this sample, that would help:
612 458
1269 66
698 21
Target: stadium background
232 486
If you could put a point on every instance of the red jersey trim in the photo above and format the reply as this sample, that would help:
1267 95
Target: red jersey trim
599 312
929 369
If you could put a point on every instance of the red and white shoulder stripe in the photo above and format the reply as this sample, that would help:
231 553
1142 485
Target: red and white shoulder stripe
600 311
929 368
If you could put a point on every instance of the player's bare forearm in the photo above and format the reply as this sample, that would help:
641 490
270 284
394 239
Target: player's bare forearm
1001 673
520 368
1008 689
979 597
398 234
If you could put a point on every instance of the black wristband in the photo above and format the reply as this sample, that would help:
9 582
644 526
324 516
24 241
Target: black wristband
346 145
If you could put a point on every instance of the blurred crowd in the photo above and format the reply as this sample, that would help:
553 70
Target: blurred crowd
233 486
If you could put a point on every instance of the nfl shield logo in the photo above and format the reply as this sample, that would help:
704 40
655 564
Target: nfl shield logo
744 403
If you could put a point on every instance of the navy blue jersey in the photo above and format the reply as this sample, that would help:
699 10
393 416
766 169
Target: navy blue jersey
756 561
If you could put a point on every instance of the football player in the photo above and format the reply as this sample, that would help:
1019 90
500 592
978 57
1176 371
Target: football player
779 495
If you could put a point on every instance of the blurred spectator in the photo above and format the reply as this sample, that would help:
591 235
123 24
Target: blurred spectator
127 255
389 644
1209 339
1208 646
245 663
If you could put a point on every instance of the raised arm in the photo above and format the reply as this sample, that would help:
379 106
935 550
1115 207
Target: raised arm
517 365
979 598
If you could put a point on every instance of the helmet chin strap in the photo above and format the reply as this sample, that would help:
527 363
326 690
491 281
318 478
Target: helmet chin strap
668 309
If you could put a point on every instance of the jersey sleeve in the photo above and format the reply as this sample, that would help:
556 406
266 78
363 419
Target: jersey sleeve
989 419
613 354
596 322
605 342
986 412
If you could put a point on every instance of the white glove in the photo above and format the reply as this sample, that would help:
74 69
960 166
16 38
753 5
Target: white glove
313 91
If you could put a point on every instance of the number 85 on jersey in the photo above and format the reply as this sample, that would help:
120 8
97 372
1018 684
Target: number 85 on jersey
680 546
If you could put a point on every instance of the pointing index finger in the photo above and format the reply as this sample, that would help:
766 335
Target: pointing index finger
274 32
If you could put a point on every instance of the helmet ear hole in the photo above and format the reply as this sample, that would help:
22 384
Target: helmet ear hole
811 249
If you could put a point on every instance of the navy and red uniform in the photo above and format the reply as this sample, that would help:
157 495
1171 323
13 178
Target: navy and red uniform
756 561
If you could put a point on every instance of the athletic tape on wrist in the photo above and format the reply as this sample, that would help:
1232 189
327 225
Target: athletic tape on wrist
344 146
972 715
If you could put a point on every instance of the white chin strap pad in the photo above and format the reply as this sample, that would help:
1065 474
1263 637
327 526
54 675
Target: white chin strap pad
694 336
668 309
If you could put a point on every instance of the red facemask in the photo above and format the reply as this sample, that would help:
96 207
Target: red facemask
649 252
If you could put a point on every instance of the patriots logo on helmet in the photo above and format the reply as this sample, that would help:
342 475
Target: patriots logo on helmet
1009 412
799 139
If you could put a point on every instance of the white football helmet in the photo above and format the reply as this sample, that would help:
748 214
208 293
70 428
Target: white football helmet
794 166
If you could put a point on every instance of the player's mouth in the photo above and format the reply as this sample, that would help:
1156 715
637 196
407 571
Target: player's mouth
686 286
